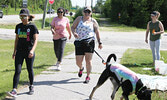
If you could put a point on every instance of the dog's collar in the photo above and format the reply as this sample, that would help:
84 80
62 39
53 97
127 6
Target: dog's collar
139 90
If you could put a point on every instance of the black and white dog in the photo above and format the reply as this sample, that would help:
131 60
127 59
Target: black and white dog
121 76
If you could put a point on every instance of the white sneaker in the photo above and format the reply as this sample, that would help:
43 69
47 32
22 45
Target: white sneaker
58 67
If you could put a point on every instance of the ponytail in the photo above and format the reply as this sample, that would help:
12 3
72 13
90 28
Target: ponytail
31 17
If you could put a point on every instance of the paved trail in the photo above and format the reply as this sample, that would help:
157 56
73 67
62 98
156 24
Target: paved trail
65 85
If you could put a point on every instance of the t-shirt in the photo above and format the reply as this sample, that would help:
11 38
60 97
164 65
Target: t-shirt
154 27
25 32
60 25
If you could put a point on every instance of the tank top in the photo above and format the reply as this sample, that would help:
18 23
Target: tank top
124 73
85 30
154 27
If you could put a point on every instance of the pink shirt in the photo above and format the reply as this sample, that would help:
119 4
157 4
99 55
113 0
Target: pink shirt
60 25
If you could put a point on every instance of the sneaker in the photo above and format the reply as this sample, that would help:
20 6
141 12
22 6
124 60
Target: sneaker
31 90
12 93
80 72
87 80
58 67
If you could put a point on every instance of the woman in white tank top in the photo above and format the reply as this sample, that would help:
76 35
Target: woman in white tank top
85 29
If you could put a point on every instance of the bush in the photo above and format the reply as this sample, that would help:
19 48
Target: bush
135 12
78 13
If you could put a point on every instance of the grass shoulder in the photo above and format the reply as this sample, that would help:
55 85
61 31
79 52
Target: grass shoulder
45 58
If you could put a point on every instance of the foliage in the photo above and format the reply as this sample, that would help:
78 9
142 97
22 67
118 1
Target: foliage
34 5
134 12
78 13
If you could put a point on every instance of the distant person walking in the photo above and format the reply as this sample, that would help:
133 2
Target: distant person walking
84 30
24 48
60 28
155 28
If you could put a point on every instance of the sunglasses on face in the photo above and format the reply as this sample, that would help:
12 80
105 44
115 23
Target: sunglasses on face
87 11
23 17
59 11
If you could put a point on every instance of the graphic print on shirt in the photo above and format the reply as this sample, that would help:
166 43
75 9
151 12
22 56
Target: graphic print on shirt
85 30
28 34
25 35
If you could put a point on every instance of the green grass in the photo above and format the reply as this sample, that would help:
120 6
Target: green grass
106 25
136 60
45 58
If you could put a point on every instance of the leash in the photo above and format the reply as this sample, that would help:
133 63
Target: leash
100 57
103 61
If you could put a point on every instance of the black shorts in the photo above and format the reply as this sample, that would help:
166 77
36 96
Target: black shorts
81 47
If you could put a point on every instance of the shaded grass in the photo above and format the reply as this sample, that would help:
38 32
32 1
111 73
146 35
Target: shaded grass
45 58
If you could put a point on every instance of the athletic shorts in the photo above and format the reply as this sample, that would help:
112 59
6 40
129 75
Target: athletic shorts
81 47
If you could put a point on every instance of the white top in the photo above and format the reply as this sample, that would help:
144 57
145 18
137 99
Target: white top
85 30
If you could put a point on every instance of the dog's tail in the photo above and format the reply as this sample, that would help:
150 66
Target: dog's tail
109 58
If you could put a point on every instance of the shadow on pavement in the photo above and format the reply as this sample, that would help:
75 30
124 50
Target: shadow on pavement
67 81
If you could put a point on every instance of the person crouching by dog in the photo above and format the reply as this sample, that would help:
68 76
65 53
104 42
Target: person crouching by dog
60 28
24 48
155 28
84 29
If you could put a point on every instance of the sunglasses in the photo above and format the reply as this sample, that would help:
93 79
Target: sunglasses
59 11
25 17
87 11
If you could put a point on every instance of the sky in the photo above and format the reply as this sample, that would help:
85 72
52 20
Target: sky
81 3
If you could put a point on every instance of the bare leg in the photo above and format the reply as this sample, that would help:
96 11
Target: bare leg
88 59
79 60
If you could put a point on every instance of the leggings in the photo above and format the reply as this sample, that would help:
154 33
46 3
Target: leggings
59 48
19 58
155 48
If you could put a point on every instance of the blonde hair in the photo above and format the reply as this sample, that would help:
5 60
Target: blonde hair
158 14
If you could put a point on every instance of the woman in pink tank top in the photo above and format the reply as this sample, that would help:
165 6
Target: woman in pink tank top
60 28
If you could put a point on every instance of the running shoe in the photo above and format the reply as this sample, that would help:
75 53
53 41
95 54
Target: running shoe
31 90
87 80
12 93
80 72
58 67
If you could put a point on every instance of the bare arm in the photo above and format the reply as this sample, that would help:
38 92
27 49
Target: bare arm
35 37
15 46
96 28
74 26
69 31
147 31
161 29
52 29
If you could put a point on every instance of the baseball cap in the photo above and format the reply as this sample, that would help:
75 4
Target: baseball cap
154 13
88 8
24 11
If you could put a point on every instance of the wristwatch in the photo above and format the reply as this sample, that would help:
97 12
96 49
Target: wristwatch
100 43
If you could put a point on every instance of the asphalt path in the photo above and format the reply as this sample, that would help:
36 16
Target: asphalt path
65 84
